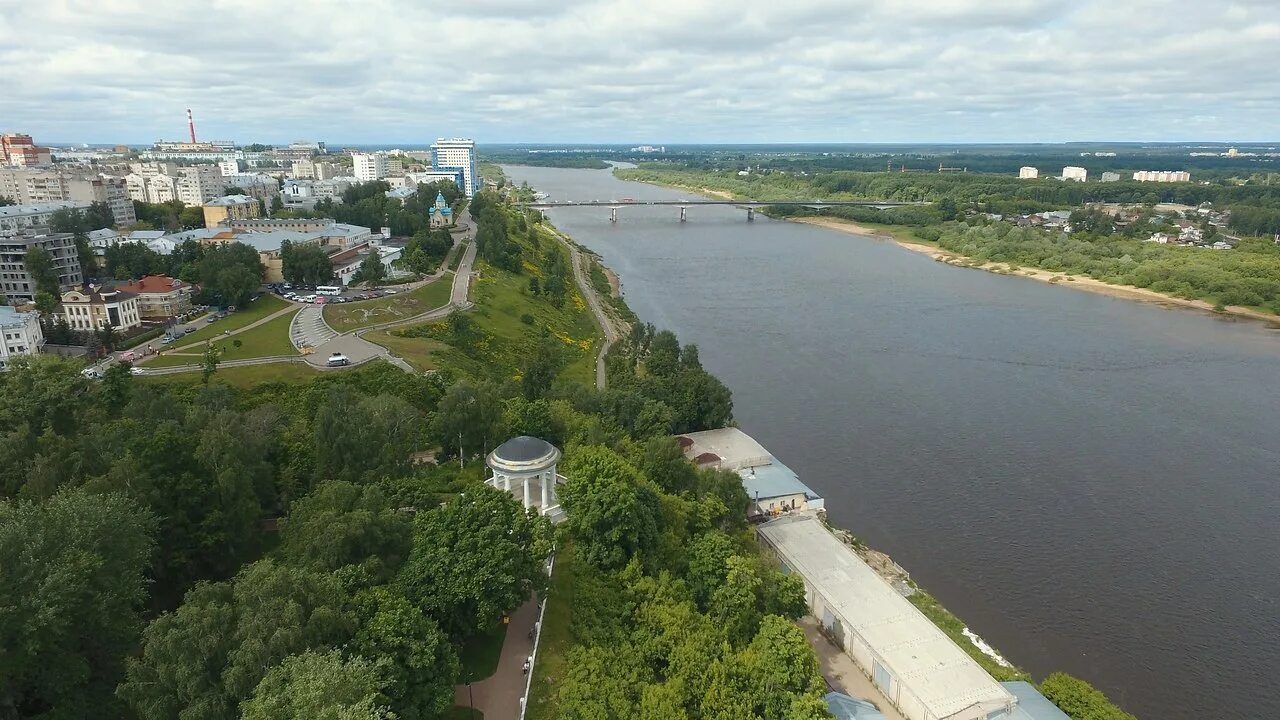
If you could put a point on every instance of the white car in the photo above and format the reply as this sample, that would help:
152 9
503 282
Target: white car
389 292
136 371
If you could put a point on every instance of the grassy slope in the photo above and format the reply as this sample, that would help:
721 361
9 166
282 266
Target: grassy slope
244 377
352 316
267 340
499 336
255 311
418 352
556 640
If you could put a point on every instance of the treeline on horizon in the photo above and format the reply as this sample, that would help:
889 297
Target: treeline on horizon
1255 204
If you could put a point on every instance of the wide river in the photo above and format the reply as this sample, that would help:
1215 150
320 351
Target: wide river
1089 482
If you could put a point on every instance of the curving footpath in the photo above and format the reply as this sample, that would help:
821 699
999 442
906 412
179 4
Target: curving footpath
611 334
310 329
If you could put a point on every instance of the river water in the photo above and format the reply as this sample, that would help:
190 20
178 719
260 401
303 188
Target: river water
1089 482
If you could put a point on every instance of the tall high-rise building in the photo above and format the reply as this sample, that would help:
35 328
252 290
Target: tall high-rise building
369 166
1028 173
457 154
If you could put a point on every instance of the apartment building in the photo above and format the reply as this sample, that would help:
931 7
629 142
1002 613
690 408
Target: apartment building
20 334
1071 172
20 150
160 297
457 154
231 207
199 183
33 218
1028 173
34 186
1163 176
16 283
369 166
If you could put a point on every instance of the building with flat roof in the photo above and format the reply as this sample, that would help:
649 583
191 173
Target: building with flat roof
16 283
20 334
369 166
773 487
1031 704
230 207
1028 173
34 217
457 154
1071 172
912 662
1162 176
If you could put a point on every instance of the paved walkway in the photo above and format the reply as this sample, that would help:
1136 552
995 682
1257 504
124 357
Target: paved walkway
842 673
498 696
309 329
611 334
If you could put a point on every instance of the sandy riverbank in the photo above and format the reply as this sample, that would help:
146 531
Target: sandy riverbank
1078 282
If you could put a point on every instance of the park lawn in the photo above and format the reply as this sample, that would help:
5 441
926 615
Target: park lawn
557 638
255 311
345 317
496 344
418 352
479 655
270 339
248 376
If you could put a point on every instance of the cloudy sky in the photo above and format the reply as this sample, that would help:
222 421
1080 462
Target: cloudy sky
661 71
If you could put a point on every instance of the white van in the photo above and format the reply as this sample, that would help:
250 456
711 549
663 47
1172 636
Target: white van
337 360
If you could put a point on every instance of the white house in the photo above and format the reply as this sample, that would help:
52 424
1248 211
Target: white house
20 334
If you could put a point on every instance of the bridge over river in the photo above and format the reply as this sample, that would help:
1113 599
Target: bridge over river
684 205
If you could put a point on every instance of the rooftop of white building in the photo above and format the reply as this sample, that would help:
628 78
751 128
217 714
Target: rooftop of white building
923 660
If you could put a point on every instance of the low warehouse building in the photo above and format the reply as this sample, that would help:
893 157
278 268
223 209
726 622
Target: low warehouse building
773 487
917 667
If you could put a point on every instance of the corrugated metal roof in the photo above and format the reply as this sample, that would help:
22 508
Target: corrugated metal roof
773 480
921 658
1031 704
844 707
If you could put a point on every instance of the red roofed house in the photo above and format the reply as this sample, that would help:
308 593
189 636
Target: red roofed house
160 296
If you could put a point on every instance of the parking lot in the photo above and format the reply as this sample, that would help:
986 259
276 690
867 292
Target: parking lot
308 294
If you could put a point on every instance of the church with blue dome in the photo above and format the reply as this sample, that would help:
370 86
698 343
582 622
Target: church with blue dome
441 214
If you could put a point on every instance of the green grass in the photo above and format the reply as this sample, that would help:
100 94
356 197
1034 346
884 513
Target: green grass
557 638
255 311
480 654
352 316
495 345
269 339
455 259
954 628
250 375
418 352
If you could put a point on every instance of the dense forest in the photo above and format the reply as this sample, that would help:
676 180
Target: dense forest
1255 205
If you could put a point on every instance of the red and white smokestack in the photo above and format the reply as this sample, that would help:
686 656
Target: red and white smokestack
191 125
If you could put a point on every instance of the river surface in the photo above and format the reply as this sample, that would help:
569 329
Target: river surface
1089 482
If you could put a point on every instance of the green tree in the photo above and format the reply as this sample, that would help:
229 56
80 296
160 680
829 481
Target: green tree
371 270
664 463
1079 699
469 418
342 524
473 559
735 605
192 217
612 516
72 578
276 204
209 655
39 264
360 439
319 686
542 362
307 264
413 652
209 362
782 666
947 208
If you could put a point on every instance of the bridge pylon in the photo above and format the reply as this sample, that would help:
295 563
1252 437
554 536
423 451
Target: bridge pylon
683 210
751 214
613 213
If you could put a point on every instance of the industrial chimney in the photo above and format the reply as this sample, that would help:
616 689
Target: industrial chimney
191 125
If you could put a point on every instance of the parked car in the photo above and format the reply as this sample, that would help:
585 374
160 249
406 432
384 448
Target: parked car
389 292
92 373
337 360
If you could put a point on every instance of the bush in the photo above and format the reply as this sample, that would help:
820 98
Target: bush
1080 700
527 319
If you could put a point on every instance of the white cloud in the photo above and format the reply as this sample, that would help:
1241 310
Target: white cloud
633 70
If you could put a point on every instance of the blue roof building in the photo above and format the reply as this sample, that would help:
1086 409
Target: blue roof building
1031 704
844 707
